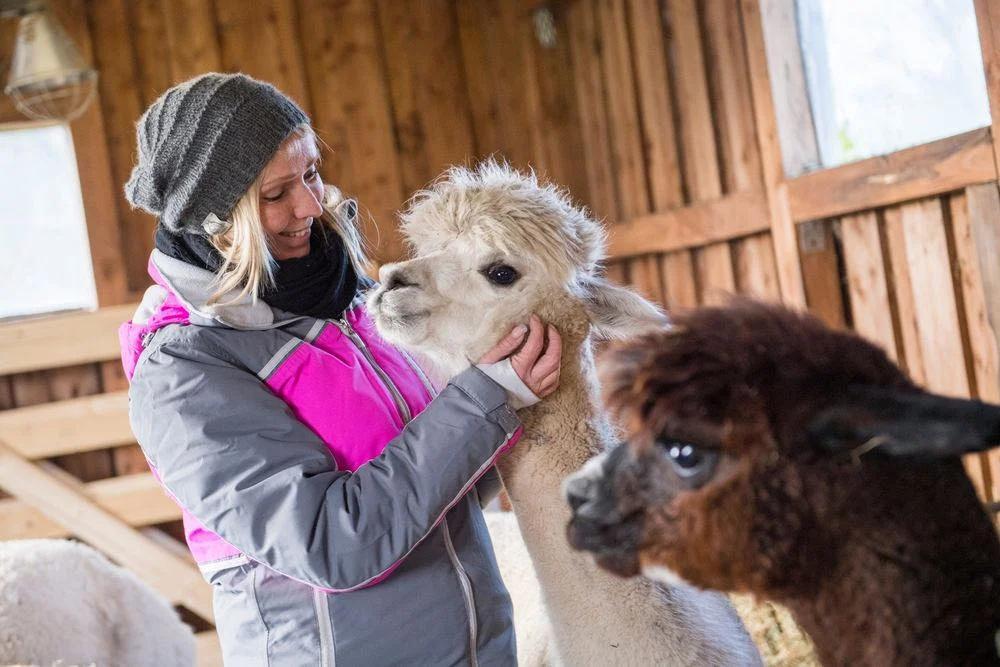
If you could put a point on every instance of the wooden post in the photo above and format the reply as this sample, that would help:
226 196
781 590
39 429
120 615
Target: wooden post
782 227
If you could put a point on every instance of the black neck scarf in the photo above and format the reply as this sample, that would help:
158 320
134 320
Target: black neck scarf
321 284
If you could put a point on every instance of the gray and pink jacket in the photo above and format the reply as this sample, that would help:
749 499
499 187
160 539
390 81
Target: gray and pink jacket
330 495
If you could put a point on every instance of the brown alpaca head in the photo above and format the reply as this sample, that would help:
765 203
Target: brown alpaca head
760 444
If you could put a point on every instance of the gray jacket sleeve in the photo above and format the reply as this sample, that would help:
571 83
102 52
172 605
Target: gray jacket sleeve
488 487
236 458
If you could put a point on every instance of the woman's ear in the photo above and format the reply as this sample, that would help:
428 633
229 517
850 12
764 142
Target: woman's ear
905 423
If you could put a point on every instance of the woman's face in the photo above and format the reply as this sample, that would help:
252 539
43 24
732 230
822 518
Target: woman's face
291 196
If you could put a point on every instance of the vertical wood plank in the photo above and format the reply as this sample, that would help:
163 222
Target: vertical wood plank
657 116
701 167
820 272
699 151
988 20
502 98
147 32
936 316
97 183
756 273
586 48
871 312
908 348
192 38
429 99
560 136
716 280
261 39
645 276
976 227
797 133
626 132
122 106
473 17
729 82
782 227
347 73
616 272
680 285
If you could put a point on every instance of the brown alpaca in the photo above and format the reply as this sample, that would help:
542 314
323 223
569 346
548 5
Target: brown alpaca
768 454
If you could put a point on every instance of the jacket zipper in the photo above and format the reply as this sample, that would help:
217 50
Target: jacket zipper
348 330
404 410
463 580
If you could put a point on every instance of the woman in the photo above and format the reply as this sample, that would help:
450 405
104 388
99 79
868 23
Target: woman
331 499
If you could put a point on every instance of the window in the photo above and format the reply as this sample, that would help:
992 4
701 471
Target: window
889 74
44 250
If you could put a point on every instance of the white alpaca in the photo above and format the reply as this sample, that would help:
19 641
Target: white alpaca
63 603
492 246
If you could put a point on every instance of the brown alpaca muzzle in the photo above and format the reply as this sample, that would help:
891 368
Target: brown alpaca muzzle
602 522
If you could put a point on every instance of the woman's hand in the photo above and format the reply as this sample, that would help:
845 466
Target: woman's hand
537 362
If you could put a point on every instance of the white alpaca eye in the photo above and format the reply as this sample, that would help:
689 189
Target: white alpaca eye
501 274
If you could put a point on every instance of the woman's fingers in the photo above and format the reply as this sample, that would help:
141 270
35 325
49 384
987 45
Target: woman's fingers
525 358
549 361
548 384
506 345
537 361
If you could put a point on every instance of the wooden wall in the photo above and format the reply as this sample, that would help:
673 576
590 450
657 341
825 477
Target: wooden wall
657 114
398 89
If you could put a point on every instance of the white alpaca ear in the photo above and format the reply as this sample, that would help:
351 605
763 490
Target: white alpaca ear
617 312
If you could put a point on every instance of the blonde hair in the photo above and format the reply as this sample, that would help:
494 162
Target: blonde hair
248 264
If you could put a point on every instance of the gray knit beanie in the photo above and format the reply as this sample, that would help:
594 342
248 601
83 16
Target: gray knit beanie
202 144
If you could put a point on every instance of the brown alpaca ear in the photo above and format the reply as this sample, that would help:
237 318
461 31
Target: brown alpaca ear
617 312
901 423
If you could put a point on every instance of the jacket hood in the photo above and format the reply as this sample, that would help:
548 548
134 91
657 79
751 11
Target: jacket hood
193 286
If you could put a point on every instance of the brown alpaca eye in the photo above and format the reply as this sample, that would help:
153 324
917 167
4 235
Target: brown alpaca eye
501 274
691 462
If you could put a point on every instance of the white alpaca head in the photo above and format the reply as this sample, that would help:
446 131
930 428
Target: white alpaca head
491 246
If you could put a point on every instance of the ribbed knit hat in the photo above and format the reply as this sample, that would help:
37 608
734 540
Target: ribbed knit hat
202 144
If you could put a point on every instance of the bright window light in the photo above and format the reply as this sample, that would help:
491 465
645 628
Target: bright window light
889 74
44 250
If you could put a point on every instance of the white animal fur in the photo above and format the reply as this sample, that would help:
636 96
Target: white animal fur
62 602
450 314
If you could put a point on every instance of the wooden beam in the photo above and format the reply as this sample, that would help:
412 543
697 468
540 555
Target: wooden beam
97 183
67 427
913 173
730 217
786 247
177 579
61 340
988 20
796 130
136 499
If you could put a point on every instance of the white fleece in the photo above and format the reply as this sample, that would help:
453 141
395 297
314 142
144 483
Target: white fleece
62 602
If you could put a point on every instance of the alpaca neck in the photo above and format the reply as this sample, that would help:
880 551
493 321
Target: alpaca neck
560 434
903 595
